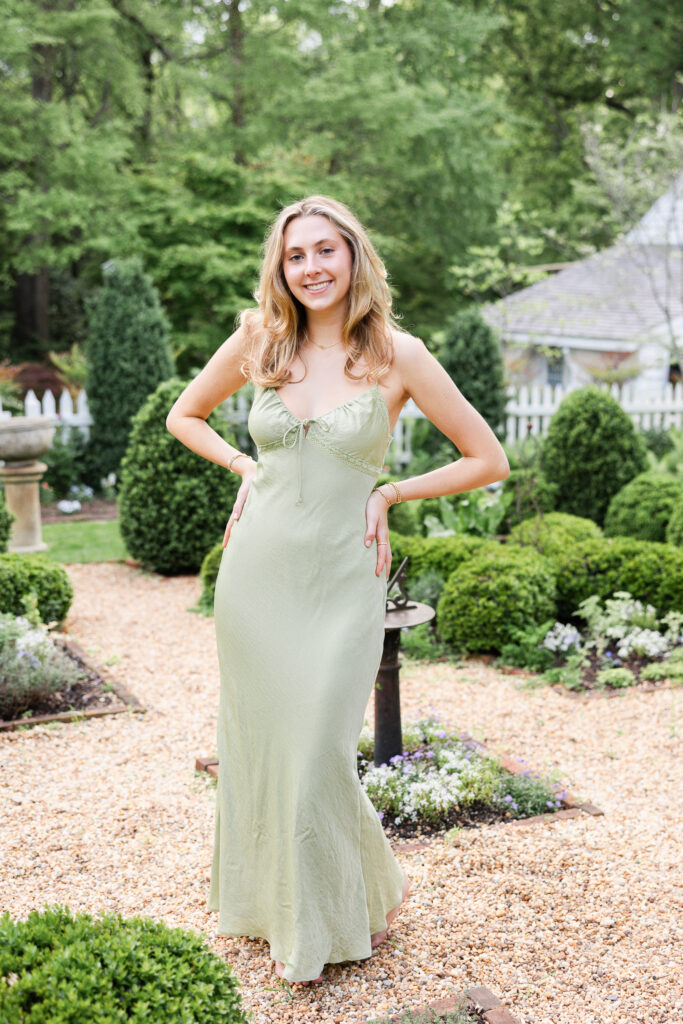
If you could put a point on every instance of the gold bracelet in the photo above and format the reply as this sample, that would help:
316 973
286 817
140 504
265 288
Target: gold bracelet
398 493
236 456
389 503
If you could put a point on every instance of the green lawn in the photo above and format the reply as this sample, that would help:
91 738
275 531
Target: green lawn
84 541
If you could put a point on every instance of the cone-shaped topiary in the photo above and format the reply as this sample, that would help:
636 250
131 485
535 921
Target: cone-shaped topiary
127 355
644 507
70 968
471 354
174 504
590 452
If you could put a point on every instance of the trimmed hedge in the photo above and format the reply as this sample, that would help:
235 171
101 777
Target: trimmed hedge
6 520
553 532
442 553
21 575
590 452
644 507
651 572
493 594
70 969
173 504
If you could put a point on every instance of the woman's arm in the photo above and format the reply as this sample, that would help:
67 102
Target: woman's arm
418 375
219 379
429 385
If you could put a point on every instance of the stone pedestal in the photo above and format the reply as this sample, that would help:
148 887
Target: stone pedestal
22 498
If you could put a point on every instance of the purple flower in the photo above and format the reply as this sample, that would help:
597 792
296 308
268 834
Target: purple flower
440 734
549 803
430 753
380 815
507 798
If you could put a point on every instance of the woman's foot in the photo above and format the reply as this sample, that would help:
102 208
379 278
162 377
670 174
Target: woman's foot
280 971
377 938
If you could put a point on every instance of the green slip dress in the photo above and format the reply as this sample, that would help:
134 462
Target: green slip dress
300 858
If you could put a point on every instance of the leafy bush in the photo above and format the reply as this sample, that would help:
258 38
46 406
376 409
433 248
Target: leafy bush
128 355
66 460
479 513
553 532
173 503
441 553
590 452
674 531
525 648
34 574
6 520
644 507
471 354
422 644
615 677
651 572
68 969
530 493
657 441
31 666
208 574
494 593
427 587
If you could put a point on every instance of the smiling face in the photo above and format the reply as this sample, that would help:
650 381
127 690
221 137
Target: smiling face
317 264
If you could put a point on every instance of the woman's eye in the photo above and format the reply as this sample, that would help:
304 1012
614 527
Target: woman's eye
327 249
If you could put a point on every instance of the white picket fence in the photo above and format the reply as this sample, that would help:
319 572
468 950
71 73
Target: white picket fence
529 411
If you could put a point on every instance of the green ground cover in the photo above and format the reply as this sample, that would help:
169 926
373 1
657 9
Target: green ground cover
84 541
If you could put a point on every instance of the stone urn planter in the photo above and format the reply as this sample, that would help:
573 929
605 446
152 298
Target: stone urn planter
23 439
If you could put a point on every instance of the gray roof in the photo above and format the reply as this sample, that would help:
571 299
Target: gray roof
619 294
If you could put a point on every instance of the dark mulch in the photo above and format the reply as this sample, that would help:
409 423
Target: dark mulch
96 508
475 816
86 694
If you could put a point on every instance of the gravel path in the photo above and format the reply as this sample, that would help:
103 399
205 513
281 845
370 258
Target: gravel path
574 921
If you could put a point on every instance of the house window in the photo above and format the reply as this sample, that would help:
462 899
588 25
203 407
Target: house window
555 371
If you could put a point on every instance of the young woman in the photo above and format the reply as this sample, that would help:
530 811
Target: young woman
300 858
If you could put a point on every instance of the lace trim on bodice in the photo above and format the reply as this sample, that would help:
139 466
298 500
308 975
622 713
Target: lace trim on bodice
297 432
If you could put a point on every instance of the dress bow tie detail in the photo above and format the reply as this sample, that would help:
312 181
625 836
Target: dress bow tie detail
293 437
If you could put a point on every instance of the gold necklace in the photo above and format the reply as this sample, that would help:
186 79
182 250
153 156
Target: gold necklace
324 347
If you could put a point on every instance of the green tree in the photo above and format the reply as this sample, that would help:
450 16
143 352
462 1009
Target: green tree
128 356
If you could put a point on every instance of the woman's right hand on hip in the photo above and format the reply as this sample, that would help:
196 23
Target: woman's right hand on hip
247 477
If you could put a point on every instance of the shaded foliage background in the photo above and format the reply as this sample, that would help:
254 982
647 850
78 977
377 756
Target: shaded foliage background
456 130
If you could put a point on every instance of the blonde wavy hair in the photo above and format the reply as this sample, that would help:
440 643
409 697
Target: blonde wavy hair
276 330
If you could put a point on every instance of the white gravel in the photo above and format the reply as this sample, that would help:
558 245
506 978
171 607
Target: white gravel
574 921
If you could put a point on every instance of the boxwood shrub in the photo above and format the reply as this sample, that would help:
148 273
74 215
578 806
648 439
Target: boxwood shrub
6 520
651 572
173 504
494 593
441 553
590 452
674 531
62 968
208 575
21 575
553 532
644 507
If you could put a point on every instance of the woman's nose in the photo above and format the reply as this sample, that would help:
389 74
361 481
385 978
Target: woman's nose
312 265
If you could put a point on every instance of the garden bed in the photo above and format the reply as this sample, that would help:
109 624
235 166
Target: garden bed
479 1005
95 508
92 695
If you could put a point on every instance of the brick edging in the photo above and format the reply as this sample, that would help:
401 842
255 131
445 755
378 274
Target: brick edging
478 998
129 700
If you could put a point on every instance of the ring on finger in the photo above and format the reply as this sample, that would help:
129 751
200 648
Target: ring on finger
382 543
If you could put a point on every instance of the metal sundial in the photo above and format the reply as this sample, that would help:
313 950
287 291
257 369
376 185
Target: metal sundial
401 601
